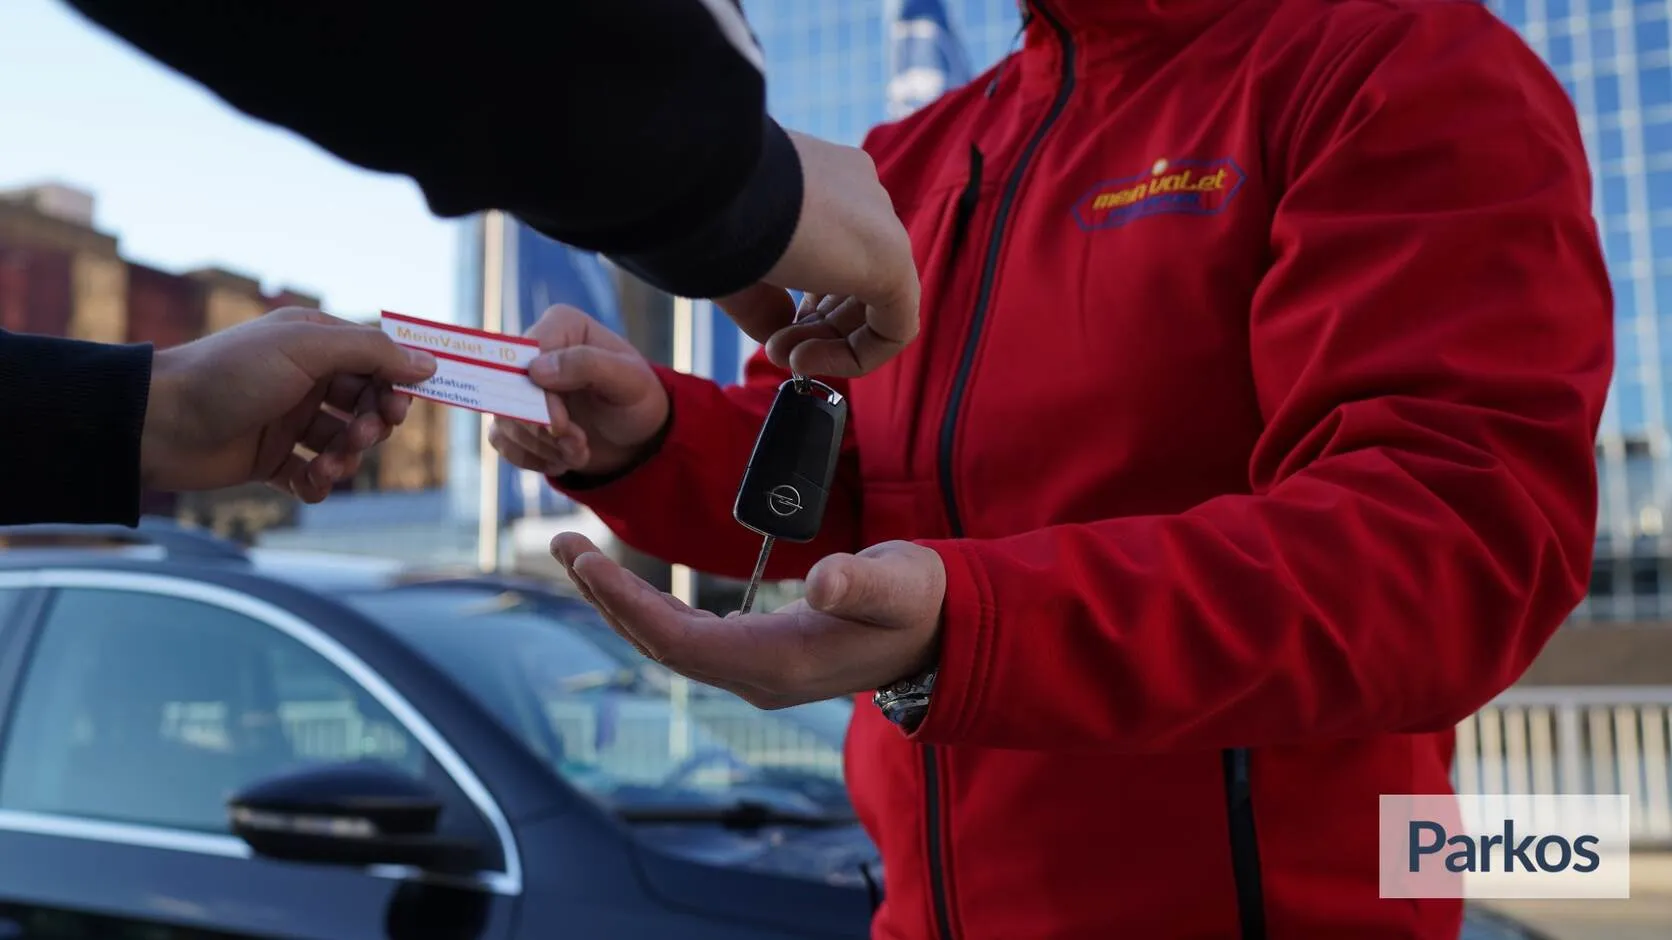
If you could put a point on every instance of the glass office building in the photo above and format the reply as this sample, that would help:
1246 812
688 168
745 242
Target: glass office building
1614 57
828 63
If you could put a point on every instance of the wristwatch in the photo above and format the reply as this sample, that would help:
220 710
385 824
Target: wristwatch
907 701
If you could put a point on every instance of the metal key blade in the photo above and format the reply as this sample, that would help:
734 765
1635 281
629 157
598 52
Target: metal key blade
755 579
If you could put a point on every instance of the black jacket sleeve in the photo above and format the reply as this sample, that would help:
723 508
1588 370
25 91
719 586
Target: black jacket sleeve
71 414
636 128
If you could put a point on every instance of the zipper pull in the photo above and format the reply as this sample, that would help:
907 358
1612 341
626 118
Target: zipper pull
966 201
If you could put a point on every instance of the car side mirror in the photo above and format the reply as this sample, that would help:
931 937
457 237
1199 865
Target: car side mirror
358 814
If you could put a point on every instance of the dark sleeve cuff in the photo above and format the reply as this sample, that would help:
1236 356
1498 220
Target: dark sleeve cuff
740 245
71 416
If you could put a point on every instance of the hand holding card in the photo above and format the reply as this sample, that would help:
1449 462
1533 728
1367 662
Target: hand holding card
242 403
486 372
607 403
595 401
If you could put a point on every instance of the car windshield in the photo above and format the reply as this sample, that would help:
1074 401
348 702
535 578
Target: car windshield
616 725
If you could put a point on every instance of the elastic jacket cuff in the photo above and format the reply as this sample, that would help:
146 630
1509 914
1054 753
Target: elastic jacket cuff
75 412
580 482
593 484
966 646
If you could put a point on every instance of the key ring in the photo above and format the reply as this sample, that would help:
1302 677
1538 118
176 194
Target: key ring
805 386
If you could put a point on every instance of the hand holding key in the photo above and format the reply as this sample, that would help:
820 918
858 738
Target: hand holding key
791 469
868 620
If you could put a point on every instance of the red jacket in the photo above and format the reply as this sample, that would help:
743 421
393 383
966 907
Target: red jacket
1264 346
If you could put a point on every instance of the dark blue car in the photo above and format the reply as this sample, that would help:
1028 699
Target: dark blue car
200 742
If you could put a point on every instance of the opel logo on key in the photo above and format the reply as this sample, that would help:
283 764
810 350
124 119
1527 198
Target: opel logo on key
785 500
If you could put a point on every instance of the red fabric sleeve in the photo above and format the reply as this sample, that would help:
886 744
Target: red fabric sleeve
677 506
1431 348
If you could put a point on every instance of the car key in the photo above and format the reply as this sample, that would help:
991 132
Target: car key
787 483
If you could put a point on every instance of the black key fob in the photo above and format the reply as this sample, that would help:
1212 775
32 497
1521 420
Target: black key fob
785 489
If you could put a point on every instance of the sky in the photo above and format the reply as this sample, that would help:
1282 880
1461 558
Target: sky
185 181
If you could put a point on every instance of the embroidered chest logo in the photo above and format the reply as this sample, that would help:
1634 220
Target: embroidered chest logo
1183 187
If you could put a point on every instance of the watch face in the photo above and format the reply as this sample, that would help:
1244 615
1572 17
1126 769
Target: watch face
909 716
906 702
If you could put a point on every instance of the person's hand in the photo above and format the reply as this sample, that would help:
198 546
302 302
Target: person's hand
818 320
604 400
849 243
233 406
868 620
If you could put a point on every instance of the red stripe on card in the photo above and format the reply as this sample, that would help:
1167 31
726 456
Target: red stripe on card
514 370
450 328
448 401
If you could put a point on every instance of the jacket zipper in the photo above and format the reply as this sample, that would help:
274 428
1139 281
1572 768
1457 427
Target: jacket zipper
1245 846
949 424
961 216
989 269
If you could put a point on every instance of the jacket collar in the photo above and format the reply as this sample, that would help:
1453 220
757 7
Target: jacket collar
1089 18
1104 29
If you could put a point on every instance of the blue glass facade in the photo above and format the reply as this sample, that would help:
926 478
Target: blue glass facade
828 63
1614 57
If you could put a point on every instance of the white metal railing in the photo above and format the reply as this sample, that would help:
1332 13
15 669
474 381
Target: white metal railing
1574 740
334 730
631 741
637 746
1541 740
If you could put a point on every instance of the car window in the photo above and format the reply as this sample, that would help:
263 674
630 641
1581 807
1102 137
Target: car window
9 598
603 716
151 709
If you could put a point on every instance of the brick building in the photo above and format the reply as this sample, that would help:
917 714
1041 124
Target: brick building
61 276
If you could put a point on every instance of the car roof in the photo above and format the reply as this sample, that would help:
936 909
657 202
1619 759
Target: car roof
326 571
165 546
